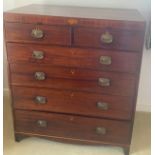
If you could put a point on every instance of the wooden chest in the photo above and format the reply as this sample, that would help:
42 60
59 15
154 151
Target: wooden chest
74 72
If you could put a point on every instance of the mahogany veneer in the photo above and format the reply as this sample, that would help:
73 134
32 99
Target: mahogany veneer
122 61
122 40
74 72
75 127
59 35
83 103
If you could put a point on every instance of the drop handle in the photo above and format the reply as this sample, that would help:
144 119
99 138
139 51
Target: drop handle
37 33
105 60
38 55
100 130
40 100
104 82
106 38
40 76
42 123
102 105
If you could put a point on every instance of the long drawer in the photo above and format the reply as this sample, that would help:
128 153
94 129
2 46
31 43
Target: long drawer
87 104
73 79
73 127
73 57
41 34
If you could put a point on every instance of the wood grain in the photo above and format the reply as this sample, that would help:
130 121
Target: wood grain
72 49
19 32
72 126
73 102
81 80
74 57
82 12
89 17
122 39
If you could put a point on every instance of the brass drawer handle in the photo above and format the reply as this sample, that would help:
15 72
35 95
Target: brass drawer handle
105 60
104 82
106 38
101 130
38 55
40 76
37 33
102 105
40 100
42 123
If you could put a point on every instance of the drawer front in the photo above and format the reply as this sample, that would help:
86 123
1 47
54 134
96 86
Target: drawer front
74 79
73 57
76 127
42 34
73 102
108 38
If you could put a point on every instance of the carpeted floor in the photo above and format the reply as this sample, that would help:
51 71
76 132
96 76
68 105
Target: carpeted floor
36 146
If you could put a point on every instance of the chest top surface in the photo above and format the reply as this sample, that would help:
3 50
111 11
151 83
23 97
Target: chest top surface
79 12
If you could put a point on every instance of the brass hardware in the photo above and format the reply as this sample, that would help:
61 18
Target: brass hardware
42 123
72 21
104 82
106 38
39 76
101 130
40 100
37 33
105 60
102 105
38 55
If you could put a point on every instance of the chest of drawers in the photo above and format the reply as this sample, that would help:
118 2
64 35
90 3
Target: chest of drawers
74 72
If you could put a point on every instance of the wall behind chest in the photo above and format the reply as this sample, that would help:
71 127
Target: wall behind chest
142 5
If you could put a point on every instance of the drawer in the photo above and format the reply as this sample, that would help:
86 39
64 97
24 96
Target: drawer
73 57
41 34
108 38
72 78
73 102
74 127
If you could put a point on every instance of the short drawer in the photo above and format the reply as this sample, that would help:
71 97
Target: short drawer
73 57
33 33
73 102
108 38
75 127
72 79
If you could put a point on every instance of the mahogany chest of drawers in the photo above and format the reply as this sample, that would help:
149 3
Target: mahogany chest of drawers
74 72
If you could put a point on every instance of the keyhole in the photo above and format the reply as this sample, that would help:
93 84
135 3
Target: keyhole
72 71
72 95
